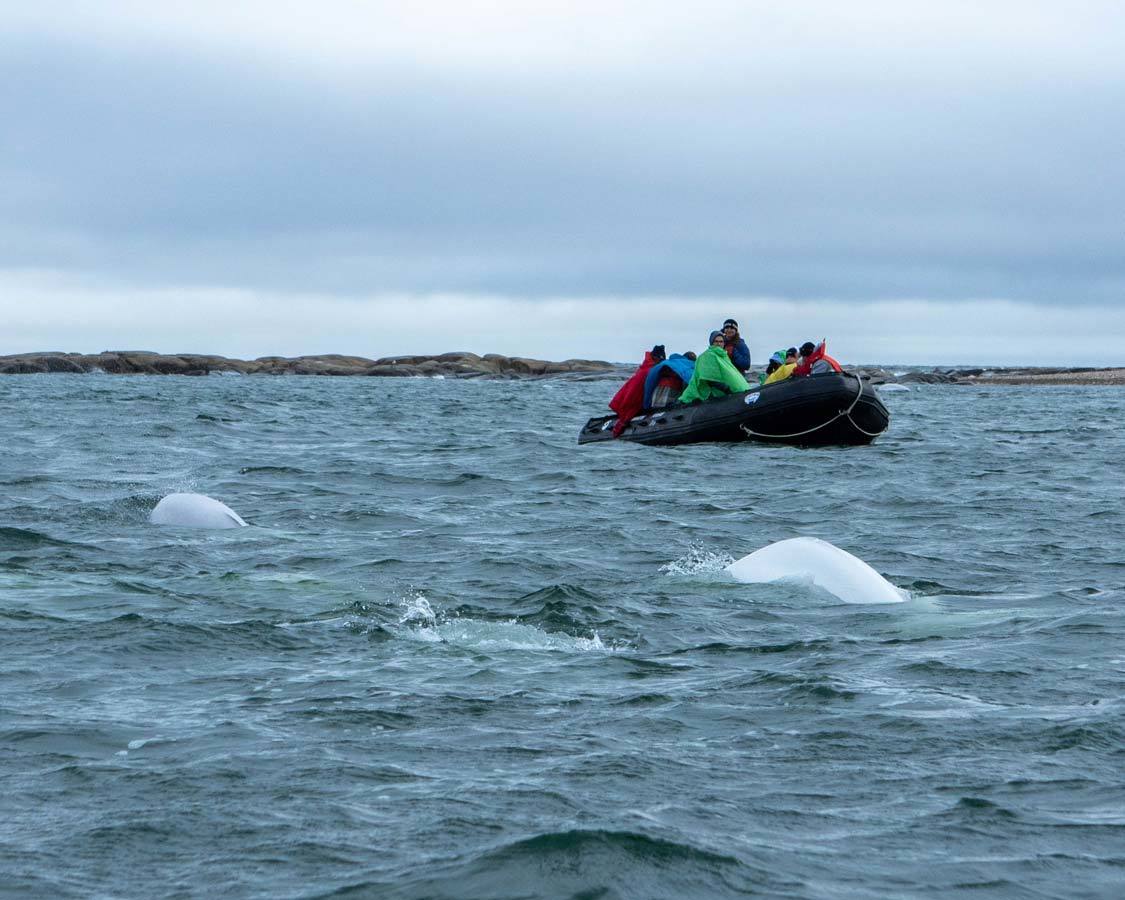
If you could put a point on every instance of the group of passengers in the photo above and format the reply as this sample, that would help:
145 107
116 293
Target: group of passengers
719 370
811 359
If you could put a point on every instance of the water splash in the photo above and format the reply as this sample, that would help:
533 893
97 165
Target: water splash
416 608
697 561
419 621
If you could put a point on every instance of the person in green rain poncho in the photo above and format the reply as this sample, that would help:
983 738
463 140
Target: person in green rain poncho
715 375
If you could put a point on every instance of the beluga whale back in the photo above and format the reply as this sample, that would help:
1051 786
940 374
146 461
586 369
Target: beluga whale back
847 577
194 511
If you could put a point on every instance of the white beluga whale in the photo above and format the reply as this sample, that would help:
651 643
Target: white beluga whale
825 565
194 511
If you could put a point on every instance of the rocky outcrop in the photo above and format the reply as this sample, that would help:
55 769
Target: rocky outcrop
489 366
449 365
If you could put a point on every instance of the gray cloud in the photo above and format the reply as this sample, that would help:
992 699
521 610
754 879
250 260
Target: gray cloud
160 164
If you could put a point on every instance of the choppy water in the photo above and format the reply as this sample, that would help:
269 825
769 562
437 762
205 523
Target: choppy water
459 656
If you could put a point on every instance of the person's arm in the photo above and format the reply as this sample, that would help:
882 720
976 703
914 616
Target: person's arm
741 356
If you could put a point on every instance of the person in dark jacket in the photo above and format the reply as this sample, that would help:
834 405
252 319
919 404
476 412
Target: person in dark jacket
735 346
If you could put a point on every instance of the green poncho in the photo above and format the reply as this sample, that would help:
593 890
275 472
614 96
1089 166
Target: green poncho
713 368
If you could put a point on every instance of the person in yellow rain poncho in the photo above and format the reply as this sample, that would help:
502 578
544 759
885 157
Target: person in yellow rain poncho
715 375
786 369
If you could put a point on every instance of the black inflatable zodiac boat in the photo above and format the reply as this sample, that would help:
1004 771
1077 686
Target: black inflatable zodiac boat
833 408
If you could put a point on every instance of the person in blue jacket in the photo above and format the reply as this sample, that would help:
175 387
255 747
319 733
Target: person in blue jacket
667 379
735 346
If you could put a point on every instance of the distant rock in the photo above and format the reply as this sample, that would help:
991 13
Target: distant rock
927 378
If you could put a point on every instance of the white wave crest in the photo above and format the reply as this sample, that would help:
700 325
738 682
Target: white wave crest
510 635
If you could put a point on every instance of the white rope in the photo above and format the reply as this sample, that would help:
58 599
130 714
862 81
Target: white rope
870 434
844 412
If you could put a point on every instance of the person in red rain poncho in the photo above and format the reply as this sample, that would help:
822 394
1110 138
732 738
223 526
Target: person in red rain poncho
815 360
630 400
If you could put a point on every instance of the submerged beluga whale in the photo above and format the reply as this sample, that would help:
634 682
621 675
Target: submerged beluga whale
828 567
194 511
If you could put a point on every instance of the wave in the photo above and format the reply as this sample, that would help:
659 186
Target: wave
414 618
564 607
1105 737
29 616
132 633
974 810
12 538
25 480
590 863
949 672
804 647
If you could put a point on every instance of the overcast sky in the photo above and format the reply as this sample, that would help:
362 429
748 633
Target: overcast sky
919 182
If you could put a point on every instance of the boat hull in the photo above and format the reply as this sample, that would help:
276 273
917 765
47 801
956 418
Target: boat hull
830 409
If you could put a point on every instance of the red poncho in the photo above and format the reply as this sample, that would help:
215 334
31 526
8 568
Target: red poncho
630 400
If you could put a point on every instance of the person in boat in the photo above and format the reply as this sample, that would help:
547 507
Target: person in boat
666 380
714 375
786 369
777 360
629 399
815 359
735 346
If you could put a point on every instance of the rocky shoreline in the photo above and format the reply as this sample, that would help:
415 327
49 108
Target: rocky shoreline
1040 375
447 365
491 366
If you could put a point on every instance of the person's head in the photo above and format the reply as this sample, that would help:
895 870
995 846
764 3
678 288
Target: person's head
808 348
689 354
791 355
730 329
716 339
658 353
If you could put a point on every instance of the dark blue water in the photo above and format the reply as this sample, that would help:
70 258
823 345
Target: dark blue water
457 655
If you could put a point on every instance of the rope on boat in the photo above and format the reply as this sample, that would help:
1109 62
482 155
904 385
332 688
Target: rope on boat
844 412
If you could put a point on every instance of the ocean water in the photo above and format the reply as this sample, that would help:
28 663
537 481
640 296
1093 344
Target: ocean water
456 655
